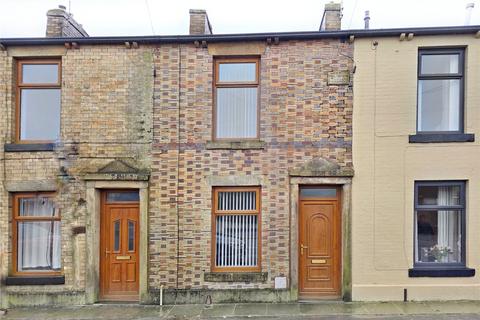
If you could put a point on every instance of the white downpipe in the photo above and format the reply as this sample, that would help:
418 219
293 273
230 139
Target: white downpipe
161 295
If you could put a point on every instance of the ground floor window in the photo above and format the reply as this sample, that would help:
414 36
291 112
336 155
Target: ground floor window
36 234
439 223
236 229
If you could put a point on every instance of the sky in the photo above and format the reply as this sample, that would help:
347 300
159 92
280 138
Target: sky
27 18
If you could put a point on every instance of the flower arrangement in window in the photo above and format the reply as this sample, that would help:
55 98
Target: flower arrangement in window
439 253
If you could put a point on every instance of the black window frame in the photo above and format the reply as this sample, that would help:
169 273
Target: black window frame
461 207
460 51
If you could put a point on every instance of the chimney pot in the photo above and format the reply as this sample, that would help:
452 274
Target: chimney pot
367 19
468 14
199 23
332 17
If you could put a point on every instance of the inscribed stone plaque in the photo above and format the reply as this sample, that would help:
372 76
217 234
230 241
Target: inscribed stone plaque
336 78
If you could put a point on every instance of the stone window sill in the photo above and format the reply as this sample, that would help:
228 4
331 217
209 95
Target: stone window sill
28 147
235 145
28 281
441 137
235 276
441 273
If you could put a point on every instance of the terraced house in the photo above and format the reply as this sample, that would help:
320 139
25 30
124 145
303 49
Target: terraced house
416 156
144 167
219 168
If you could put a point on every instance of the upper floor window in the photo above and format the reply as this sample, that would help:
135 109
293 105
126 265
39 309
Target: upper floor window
440 91
38 100
236 98
36 242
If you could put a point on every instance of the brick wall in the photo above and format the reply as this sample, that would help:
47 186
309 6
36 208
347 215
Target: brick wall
302 118
114 108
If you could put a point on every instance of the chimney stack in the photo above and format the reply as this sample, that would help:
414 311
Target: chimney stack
60 24
367 19
468 15
199 23
332 17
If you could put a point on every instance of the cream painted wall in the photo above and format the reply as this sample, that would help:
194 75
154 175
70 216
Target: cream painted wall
386 166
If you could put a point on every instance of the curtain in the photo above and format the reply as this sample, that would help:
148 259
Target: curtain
449 227
38 241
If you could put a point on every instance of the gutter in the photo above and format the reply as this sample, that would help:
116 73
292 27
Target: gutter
277 36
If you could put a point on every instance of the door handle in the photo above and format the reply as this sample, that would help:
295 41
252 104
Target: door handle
302 247
106 253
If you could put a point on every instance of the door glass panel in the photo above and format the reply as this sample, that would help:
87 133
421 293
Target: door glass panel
131 235
116 235
318 193
122 196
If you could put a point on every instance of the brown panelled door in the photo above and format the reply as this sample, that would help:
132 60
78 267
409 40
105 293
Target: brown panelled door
319 243
119 265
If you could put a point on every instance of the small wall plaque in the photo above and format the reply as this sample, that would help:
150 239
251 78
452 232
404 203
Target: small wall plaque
336 78
280 282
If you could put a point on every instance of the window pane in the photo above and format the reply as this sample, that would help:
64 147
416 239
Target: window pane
439 196
38 247
131 235
237 200
237 72
438 105
439 63
116 235
318 193
439 237
236 112
40 73
40 114
40 206
237 241
129 196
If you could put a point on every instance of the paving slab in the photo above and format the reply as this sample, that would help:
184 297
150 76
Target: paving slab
218 310
371 308
186 311
279 309
250 309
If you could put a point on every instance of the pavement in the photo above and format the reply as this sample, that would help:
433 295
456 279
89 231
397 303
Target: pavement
461 310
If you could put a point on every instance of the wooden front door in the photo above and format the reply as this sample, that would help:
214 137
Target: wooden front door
119 263
319 243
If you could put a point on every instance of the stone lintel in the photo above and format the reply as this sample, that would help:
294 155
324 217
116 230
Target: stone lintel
31 185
